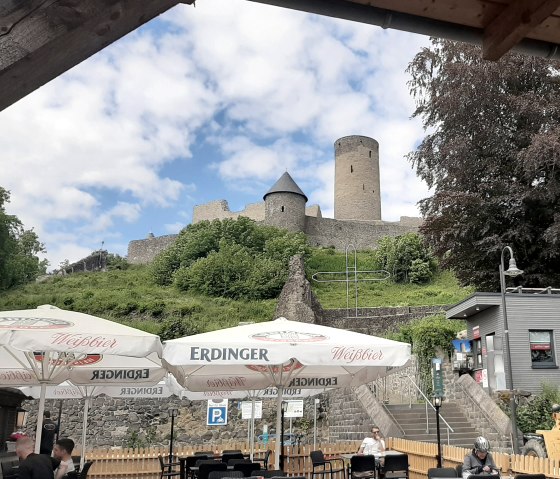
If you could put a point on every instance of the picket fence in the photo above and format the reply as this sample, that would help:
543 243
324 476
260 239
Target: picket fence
144 463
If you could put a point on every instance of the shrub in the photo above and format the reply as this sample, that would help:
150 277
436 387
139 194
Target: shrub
537 413
177 328
406 257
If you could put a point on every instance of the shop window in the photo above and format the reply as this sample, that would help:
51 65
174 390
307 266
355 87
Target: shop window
542 349
477 353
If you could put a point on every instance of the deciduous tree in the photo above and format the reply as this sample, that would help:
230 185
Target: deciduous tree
492 158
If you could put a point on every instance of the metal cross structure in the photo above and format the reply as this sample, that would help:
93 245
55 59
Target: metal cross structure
351 276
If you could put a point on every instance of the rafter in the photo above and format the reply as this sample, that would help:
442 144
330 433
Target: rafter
513 24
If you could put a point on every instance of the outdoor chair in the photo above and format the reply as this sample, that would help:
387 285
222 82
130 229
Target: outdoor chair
529 476
226 451
459 470
224 474
205 469
363 466
210 454
443 472
9 469
264 459
166 469
269 473
247 468
322 465
226 456
84 472
191 461
395 467
200 462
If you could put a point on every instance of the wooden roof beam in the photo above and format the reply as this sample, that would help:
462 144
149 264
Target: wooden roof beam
513 24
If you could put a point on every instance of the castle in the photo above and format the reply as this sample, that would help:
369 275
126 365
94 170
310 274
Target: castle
357 207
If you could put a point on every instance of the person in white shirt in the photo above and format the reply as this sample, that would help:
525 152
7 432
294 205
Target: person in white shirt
62 451
372 444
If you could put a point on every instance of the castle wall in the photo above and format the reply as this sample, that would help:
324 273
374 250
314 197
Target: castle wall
356 179
144 251
220 210
330 232
285 210
313 210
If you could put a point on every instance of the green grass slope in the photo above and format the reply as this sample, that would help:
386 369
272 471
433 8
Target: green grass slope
131 297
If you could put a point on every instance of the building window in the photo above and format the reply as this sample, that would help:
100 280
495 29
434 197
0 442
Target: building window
542 349
370 153
282 209
477 353
351 169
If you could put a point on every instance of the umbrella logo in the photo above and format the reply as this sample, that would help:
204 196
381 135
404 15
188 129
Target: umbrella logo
33 323
289 337
70 359
291 365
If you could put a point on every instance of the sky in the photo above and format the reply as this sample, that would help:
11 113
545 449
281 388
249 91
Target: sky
205 103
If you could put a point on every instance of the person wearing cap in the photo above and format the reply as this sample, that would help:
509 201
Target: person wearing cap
479 461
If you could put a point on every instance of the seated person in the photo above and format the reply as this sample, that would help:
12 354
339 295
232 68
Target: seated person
479 461
372 444
62 451
33 466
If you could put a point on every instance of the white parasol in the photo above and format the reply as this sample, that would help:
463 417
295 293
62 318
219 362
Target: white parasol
48 345
283 354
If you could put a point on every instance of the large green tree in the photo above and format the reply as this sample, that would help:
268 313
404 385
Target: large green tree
19 248
492 158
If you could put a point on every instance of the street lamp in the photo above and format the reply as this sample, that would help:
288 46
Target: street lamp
173 413
436 401
513 271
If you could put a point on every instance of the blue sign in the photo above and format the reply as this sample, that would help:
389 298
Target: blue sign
217 412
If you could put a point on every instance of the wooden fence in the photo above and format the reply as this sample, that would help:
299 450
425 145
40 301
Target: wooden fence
144 464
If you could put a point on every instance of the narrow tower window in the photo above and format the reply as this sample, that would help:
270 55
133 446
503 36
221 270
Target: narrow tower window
370 153
351 169
282 209
363 186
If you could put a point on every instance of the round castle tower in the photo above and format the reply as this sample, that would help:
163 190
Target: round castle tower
357 193
284 205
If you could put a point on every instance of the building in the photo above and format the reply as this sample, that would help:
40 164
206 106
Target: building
357 207
534 332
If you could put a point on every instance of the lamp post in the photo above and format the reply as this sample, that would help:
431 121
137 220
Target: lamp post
436 401
317 401
513 271
173 413
284 407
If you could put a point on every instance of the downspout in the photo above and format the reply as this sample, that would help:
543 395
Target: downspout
356 12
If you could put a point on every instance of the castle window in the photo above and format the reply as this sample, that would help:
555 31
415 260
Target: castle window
370 153
282 209
363 186
351 169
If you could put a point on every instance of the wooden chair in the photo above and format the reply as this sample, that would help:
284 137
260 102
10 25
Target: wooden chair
322 465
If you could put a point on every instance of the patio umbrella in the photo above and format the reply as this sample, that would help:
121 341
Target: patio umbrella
283 354
48 345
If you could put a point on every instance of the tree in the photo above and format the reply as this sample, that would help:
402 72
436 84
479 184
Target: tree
492 158
19 247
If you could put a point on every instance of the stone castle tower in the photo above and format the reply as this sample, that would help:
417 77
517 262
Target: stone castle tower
357 195
284 205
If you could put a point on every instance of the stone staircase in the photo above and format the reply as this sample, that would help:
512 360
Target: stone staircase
348 420
412 419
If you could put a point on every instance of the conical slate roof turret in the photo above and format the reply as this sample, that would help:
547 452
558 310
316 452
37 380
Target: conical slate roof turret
285 184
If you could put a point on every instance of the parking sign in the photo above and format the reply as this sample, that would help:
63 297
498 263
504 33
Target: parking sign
217 412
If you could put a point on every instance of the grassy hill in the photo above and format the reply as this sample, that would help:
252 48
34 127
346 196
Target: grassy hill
131 297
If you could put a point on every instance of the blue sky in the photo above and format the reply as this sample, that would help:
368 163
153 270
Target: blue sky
206 103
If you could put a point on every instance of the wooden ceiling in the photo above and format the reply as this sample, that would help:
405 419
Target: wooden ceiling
40 39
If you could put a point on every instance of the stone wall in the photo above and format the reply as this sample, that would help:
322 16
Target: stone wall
339 234
115 422
144 251
220 210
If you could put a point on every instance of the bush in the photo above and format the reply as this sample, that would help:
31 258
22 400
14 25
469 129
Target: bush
407 258
177 328
537 413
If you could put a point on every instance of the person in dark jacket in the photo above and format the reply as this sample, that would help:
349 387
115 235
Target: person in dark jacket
479 461
33 466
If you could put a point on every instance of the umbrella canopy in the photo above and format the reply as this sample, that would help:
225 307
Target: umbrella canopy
48 345
283 354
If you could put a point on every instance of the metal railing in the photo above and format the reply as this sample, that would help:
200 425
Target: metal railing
428 402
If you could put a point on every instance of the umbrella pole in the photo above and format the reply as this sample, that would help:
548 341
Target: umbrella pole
252 422
278 446
40 413
84 429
